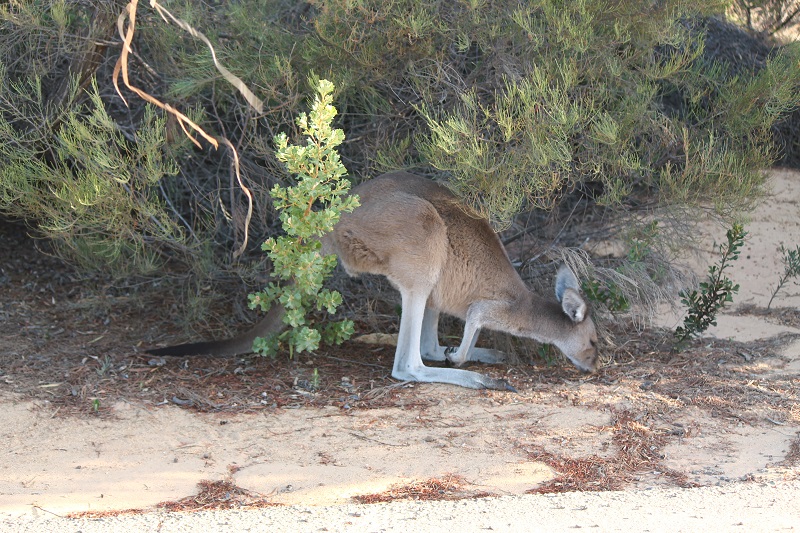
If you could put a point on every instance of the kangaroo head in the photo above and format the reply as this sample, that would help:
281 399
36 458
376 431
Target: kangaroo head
580 344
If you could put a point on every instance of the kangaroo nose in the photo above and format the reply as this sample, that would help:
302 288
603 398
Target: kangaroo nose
592 360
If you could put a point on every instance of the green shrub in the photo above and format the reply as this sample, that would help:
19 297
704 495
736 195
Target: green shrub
68 166
791 269
607 294
518 105
308 209
90 188
703 305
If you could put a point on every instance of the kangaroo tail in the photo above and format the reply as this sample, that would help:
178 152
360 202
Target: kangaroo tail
240 344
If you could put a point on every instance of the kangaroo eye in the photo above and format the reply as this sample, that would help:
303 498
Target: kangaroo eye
593 343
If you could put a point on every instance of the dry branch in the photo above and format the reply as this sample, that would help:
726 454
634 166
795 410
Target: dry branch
129 14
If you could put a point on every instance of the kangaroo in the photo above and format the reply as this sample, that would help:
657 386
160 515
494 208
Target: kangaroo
443 258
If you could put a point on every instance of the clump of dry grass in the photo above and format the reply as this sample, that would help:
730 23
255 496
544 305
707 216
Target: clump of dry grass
213 495
638 451
448 487
223 494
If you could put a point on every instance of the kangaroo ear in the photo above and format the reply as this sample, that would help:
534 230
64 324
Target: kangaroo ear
565 279
574 305
568 293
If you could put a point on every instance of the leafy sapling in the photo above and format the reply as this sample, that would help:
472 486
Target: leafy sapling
617 295
308 210
714 293
607 294
791 263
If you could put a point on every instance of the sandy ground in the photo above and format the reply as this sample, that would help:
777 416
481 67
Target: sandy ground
753 508
53 465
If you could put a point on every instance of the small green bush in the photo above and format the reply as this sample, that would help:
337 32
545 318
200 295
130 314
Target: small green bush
703 305
791 269
308 209
607 294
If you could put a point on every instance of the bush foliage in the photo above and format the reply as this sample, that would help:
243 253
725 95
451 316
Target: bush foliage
308 210
540 105
704 304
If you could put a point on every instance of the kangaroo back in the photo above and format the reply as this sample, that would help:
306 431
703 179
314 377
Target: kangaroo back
426 229
396 232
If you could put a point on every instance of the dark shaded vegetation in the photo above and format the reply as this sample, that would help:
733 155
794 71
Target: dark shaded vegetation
588 118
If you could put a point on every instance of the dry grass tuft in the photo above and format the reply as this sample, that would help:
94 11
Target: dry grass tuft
449 487
218 495
213 495
638 451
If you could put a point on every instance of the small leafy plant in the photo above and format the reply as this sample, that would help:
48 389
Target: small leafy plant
612 295
607 294
714 293
308 210
791 263
547 353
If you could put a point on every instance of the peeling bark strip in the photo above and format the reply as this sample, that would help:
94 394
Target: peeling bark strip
129 13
